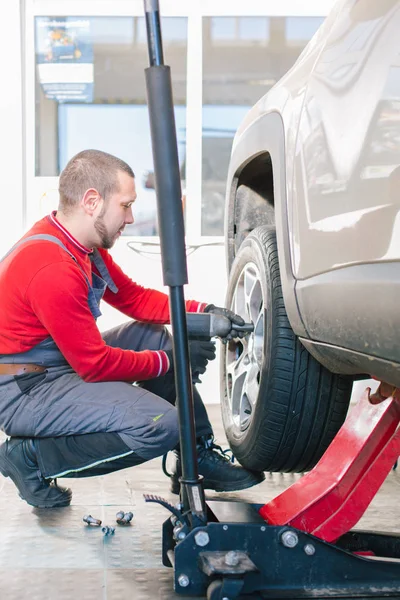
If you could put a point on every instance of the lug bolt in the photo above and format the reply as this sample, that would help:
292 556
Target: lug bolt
289 539
201 538
183 580
178 532
176 522
124 518
108 530
309 549
128 517
232 559
91 521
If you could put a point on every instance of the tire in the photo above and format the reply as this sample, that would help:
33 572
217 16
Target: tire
281 409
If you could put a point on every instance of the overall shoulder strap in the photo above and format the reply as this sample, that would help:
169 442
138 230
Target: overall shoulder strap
39 236
99 263
95 258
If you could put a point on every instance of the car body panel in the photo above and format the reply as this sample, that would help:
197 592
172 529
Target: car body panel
271 126
356 307
347 207
335 162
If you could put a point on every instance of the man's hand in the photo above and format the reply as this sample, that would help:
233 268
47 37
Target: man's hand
234 319
199 354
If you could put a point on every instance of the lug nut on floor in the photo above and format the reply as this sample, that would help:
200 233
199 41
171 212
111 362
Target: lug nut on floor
124 518
91 521
108 530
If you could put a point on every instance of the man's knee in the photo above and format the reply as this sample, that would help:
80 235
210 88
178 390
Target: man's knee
158 437
134 335
169 435
156 337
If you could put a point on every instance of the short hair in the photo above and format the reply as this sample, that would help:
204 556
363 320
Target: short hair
90 169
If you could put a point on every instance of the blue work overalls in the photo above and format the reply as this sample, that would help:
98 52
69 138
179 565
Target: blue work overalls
81 428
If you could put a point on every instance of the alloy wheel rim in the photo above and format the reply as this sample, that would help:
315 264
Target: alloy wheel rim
244 357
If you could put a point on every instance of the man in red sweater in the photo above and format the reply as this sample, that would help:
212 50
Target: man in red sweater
67 397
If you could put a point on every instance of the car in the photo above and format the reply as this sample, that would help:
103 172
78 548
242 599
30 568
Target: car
312 235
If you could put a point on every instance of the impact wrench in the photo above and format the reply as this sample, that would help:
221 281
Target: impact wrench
204 326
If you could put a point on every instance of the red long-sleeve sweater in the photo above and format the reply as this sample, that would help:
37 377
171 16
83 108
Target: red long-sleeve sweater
44 293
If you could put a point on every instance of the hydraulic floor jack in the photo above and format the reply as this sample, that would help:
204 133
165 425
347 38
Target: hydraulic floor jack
300 544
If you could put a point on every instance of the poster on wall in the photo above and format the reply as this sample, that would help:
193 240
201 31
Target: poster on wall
64 58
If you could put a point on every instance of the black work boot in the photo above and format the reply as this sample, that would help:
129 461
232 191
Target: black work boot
19 462
219 473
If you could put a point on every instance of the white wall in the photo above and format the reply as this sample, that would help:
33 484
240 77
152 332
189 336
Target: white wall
12 174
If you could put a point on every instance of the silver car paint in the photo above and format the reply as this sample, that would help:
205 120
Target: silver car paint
271 125
346 187
336 205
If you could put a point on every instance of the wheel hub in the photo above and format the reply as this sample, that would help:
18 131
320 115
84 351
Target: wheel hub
244 357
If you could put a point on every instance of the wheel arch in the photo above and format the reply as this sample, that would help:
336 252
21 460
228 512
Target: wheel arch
258 161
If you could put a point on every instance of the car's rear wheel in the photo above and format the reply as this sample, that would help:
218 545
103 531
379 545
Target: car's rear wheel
280 407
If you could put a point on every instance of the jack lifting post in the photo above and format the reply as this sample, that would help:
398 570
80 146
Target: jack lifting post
172 240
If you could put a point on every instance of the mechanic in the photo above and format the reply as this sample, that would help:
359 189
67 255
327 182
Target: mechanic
75 402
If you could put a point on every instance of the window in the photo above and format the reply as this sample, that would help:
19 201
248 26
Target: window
250 30
301 29
91 93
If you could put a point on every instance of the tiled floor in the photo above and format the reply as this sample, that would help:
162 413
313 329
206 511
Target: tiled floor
53 555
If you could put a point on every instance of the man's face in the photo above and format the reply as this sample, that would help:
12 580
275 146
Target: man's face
116 212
